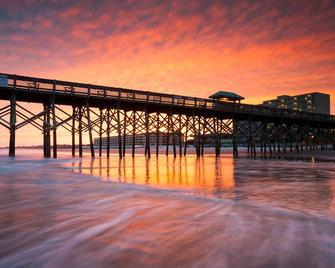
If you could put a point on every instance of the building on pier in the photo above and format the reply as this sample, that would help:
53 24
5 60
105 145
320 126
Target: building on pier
226 96
311 102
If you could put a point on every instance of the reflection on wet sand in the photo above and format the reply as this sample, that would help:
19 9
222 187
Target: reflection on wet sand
301 185
181 172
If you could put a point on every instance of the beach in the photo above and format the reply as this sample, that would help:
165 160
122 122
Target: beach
55 214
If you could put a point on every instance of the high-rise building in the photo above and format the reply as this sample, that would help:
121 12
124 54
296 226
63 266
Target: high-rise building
311 102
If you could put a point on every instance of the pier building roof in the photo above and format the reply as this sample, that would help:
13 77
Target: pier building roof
226 95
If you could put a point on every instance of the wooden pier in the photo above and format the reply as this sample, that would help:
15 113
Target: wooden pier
132 112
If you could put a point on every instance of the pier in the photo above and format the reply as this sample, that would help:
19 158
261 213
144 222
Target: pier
102 110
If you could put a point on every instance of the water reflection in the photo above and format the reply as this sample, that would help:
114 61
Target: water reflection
182 172
301 185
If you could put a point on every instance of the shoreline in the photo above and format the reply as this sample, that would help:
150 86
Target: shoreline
326 154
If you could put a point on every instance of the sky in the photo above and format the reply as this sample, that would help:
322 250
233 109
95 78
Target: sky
258 49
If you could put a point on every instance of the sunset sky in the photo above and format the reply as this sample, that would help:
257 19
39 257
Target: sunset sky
258 49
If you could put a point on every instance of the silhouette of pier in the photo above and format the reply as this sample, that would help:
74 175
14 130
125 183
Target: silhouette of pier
103 110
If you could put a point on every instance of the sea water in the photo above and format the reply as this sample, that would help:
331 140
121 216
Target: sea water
166 212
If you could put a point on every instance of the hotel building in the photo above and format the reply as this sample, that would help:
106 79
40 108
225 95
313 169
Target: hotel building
312 102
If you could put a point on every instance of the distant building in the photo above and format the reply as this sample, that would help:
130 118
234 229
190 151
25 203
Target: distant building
312 102
140 140
210 140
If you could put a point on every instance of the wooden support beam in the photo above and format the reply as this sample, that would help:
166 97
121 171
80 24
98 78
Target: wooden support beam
54 128
108 132
147 134
48 136
168 133
134 133
253 148
204 122
5 113
64 122
173 138
80 130
220 135
216 133
12 125
250 137
90 129
73 131
269 138
199 137
265 137
119 130
180 136
46 130
235 149
100 132
291 138
30 120
196 134
157 134
186 135
4 109
4 125
124 134
26 118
